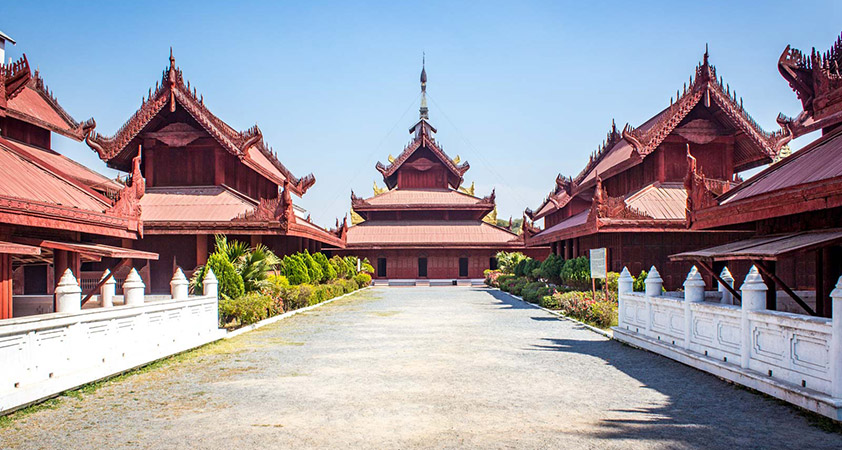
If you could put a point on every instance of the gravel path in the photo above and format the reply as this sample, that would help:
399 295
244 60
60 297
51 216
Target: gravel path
418 367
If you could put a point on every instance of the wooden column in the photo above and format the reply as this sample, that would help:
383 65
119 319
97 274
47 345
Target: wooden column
772 289
6 292
149 166
201 249
827 272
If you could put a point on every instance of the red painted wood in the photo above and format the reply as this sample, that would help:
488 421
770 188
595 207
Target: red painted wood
6 293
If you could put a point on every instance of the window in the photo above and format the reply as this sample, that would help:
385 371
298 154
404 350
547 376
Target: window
381 267
492 263
463 267
422 267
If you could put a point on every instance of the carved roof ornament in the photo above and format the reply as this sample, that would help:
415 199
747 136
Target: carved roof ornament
17 76
707 88
128 198
423 138
699 195
817 82
173 91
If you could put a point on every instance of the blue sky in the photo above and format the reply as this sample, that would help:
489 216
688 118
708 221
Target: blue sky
522 90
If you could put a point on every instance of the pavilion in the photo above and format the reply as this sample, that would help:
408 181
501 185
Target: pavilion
204 178
422 226
631 197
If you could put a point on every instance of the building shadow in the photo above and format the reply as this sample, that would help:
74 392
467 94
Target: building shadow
701 411
503 300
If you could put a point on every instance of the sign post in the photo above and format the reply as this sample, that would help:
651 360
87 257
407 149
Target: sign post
598 269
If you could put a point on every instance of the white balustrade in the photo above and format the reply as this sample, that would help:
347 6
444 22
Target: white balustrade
46 354
794 357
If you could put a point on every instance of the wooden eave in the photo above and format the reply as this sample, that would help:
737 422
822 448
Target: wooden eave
824 194
256 227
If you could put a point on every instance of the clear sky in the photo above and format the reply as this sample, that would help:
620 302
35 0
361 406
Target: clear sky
522 90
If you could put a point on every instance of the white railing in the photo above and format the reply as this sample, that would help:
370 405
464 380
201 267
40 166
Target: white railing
44 355
791 356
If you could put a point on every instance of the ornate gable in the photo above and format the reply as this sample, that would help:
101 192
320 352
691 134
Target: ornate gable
173 90
423 139
707 88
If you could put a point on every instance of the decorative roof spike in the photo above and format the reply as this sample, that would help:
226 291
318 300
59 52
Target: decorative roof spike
423 111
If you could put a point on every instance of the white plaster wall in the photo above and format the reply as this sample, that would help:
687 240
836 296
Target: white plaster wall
44 355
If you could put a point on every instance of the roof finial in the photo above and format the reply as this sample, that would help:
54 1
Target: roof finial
424 111
705 60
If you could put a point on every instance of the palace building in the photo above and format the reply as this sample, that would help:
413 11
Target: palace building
422 226
631 197
205 178
792 208
55 214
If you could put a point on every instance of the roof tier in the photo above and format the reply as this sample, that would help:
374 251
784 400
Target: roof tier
412 234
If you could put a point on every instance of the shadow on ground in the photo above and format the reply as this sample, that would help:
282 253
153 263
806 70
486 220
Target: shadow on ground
702 411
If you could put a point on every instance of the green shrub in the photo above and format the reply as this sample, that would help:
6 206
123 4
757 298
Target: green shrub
581 305
533 291
328 272
295 270
362 279
246 309
549 302
640 282
576 272
314 270
230 282
518 285
506 261
551 268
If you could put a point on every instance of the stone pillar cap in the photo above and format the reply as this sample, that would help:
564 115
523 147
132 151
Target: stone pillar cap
625 275
209 276
694 278
67 279
653 275
726 274
753 281
178 276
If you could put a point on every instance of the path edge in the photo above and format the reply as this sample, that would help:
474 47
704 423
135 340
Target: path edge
279 317
605 333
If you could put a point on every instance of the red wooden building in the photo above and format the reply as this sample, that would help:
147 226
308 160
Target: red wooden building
631 196
423 227
54 215
794 207
205 178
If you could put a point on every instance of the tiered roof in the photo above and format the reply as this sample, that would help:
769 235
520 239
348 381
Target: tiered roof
246 145
624 149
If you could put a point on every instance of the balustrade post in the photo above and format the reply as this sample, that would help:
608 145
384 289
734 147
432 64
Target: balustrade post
654 286
68 293
727 296
108 289
179 285
625 285
210 285
836 342
694 292
133 289
753 293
